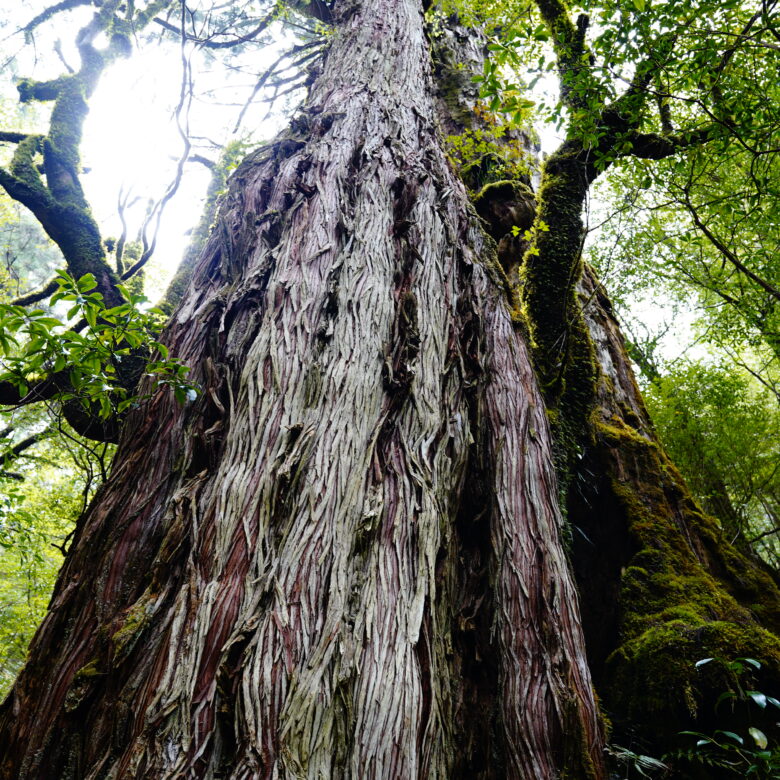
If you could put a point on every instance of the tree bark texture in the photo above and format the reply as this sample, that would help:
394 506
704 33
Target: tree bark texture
661 585
344 559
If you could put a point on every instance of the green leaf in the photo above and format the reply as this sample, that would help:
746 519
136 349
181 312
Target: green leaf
86 283
758 737
90 314
725 695
34 346
732 735
758 697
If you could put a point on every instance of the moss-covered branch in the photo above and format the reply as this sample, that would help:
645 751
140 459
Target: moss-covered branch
577 82
57 198
36 296
51 11
654 146
23 181
11 137
552 267
141 19
44 176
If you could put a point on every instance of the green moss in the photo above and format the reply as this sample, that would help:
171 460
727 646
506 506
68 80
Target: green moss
561 345
81 685
65 128
504 189
616 432
682 595
654 679
23 164
136 620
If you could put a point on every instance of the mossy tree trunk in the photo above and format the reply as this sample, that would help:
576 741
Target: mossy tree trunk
661 585
344 559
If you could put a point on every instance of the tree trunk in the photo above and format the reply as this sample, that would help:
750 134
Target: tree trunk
344 559
661 586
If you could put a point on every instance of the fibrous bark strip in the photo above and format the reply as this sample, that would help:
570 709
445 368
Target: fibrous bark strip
273 582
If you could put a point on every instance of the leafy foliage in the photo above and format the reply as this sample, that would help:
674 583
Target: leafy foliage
635 764
753 755
88 348
705 237
479 150
722 429
36 519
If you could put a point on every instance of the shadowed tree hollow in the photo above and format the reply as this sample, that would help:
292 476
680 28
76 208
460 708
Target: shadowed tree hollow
347 557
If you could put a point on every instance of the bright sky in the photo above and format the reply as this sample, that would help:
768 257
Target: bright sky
131 143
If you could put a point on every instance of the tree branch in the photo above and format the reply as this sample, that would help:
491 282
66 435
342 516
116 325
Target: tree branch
35 296
569 45
10 137
727 253
182 124
25 444
204 161
207 43
625 112
317 9
266 75
64 5
23 182
41 391
652 146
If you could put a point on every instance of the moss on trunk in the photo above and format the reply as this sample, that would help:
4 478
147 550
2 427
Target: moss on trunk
660 583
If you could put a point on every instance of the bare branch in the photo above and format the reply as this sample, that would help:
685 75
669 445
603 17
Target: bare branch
182 124
123 203
18 449
204 161
770 532
58 51
208 43
266 75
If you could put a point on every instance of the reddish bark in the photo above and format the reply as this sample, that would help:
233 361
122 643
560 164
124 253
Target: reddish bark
351 538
